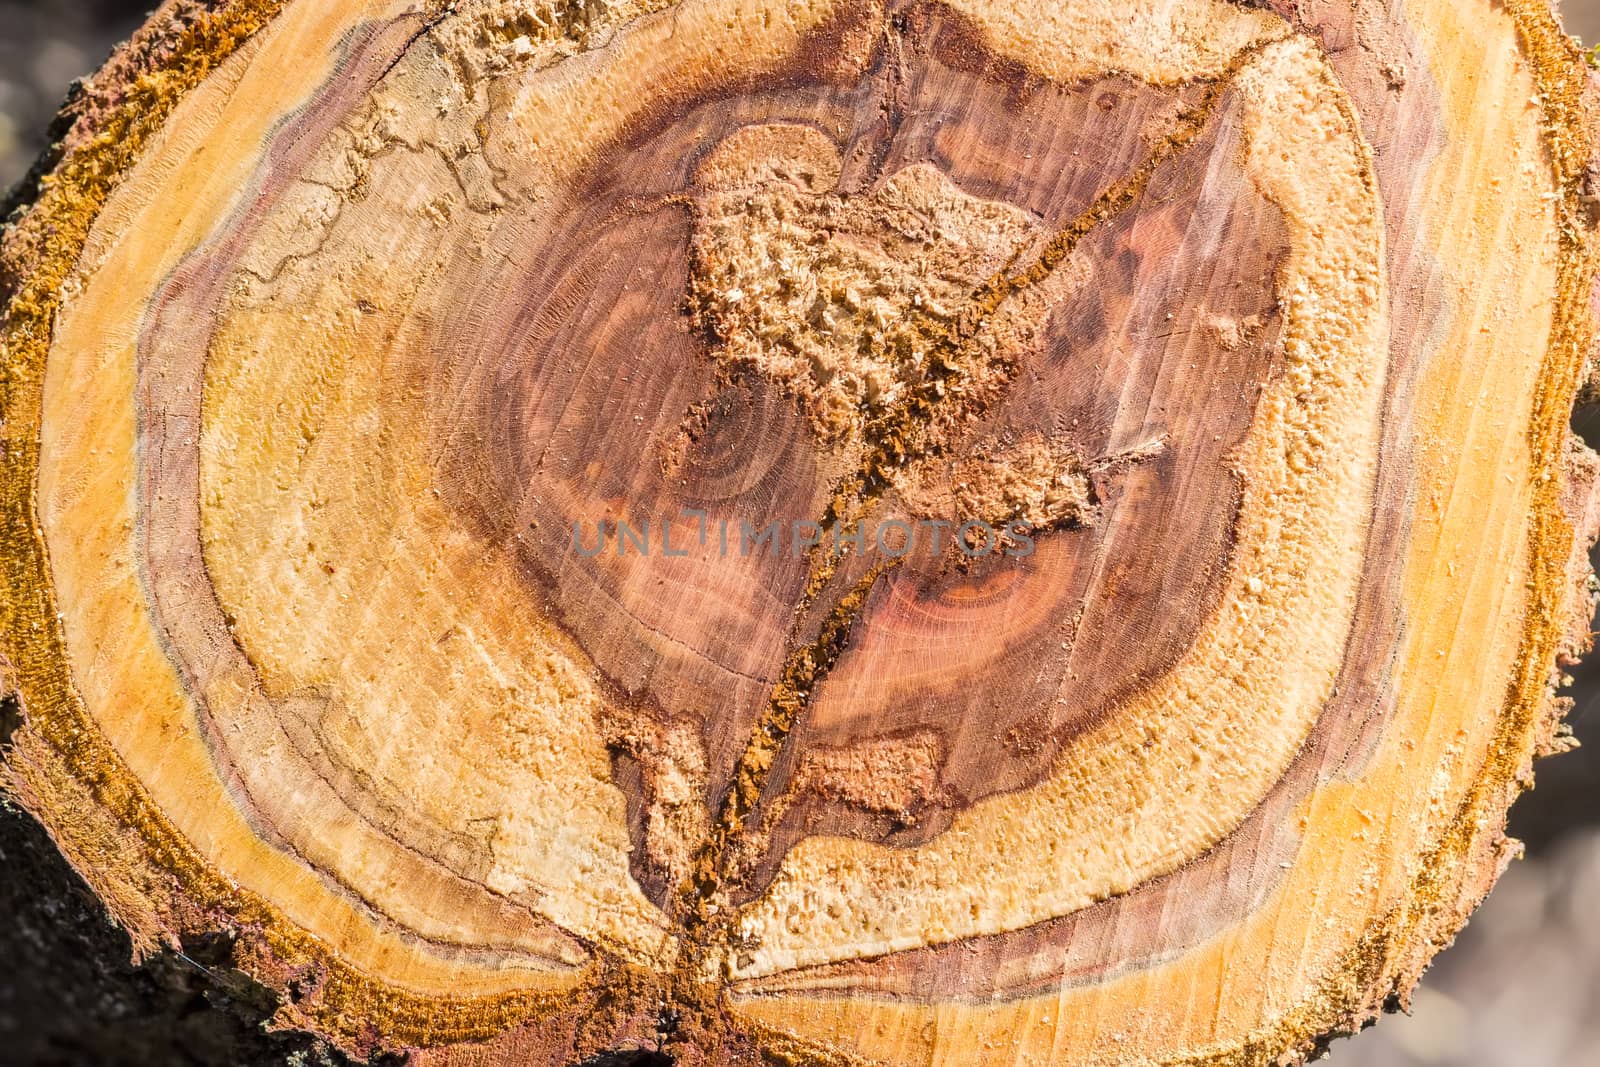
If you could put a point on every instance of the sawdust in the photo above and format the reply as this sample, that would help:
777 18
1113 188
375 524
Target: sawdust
837 297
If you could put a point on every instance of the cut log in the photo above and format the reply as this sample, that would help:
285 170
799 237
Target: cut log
968 532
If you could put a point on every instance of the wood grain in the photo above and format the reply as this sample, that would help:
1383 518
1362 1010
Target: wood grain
352 341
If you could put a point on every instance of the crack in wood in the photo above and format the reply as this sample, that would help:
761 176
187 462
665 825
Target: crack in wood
902 437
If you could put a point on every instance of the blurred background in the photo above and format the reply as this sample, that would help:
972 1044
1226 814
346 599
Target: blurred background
1520 988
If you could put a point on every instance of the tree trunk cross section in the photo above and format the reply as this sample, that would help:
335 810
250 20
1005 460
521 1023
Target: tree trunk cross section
826 531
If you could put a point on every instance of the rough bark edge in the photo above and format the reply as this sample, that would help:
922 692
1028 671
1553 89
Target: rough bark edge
77 999
1453 878
1390 957
60 763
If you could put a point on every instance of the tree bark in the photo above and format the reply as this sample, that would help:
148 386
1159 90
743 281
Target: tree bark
973 532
